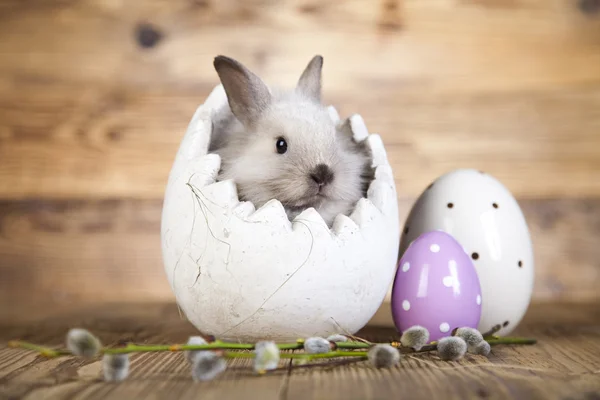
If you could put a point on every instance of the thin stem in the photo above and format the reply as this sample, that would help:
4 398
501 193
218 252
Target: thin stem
330 364
424 349
218 345
43 350
352 345
490 334
299 345
511 340
331 354
133 348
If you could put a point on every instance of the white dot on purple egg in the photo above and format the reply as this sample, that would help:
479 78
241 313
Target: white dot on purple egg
444 327
434 248
405 266
447 281
406 305
478 299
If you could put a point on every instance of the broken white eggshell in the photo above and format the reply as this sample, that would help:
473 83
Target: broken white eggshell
245 274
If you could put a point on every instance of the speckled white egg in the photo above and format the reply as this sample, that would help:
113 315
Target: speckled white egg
249 274
479 212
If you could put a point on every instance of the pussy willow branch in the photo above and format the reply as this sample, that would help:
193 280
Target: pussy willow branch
43 350
511 340
299 345
331 354
492 332
218 345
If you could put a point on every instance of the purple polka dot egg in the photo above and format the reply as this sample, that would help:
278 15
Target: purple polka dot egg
436 286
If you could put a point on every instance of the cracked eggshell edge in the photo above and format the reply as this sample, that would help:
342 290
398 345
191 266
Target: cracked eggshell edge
246 274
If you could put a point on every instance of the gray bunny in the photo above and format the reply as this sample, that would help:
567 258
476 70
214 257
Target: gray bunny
277 144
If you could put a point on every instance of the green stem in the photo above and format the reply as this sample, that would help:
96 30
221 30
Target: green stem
490 334
353 345
331 354
511 340
43 350
133 348
424 349
218 345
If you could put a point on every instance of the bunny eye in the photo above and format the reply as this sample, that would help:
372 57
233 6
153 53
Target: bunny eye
281 145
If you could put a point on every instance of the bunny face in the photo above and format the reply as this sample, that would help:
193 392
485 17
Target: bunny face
296 154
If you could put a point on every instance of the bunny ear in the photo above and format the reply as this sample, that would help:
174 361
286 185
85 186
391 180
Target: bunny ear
310 82
246 93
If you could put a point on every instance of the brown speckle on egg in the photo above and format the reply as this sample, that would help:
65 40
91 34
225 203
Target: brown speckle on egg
450 205
475 256
505 324
495 205
520 263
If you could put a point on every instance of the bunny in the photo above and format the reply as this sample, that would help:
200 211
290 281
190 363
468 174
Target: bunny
277 144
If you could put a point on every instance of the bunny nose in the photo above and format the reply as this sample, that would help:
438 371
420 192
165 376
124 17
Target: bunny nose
322 175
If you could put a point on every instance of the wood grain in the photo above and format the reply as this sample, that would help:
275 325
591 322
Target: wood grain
68 250
563 365
95 96
480 46
81 250
62 144
89 109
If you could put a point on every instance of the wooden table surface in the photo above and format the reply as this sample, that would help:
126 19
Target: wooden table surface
565 364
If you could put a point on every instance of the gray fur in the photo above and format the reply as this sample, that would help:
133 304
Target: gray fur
115 367
207 366
483 348
190 355
383 356
451 348
244 136
471 336
316 345
415 337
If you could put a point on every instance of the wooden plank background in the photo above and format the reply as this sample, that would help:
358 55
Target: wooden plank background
95 96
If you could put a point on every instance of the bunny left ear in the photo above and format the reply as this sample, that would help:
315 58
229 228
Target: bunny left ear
247 94
309 83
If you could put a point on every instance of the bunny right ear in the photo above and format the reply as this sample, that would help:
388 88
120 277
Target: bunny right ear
310 81
246 93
